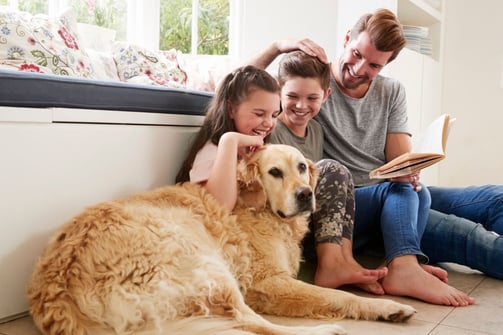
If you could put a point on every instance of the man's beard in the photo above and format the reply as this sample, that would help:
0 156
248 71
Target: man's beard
348 81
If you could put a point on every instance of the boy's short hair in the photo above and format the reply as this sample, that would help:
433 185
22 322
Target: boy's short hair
299 64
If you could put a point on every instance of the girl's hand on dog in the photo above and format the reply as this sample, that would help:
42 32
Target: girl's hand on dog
245 143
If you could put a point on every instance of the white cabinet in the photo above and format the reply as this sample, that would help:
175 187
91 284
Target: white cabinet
56 162
424 13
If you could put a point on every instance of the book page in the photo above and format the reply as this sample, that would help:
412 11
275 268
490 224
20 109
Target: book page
428 151
434 138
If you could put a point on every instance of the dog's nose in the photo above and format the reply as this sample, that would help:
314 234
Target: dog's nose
304 196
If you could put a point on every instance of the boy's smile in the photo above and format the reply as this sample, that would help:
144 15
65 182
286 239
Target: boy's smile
301 99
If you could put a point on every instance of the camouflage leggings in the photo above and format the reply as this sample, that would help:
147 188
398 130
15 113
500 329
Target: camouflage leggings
335 212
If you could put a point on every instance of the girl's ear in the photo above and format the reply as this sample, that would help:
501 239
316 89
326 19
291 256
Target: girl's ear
251 192
230 109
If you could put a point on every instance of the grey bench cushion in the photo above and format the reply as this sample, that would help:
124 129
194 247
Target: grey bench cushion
27 89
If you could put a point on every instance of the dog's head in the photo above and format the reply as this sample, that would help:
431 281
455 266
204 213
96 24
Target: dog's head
279 176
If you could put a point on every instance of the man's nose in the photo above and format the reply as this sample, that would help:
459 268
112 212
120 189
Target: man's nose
360 68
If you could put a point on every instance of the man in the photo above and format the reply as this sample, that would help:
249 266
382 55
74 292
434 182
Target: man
365 125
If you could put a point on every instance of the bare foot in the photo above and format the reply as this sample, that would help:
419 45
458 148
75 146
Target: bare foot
374 287
337 267
407 278
347 274
436 271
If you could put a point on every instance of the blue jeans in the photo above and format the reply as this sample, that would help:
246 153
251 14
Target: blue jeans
390 218
464 227
481 204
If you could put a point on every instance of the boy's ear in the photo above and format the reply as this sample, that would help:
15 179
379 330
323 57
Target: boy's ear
251 192
328 91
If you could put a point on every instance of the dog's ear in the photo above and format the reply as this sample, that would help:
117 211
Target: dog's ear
313 174
251 192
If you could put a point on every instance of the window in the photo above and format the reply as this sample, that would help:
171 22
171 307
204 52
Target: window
104 13
195 26
191 26
33 6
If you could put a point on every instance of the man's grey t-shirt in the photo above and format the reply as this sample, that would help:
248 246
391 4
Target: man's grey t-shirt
355 129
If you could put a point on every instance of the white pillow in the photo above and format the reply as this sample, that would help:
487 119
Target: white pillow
204 72
104 65
96 37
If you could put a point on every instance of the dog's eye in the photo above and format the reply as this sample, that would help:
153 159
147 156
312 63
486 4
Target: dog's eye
275 172
302 167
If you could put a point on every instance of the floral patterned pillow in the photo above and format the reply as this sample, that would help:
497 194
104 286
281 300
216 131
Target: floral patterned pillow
139 65
40 43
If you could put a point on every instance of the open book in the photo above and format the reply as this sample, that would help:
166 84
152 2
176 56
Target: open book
428 151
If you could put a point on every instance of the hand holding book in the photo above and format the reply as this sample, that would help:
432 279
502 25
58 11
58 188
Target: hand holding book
431 150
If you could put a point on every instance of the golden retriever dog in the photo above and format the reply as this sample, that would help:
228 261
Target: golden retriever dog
173 261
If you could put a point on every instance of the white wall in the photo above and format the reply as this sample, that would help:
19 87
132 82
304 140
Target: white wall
264 21
473 92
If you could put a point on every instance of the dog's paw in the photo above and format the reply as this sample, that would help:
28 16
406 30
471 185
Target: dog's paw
396 312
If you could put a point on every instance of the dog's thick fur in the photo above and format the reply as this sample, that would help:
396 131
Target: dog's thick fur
173 261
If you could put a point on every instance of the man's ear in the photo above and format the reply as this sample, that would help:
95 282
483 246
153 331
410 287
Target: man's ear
313 174
251 192
347 38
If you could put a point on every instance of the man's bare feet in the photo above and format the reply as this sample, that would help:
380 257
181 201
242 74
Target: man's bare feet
337 267
406 277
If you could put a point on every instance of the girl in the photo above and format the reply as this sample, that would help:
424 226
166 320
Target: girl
241 114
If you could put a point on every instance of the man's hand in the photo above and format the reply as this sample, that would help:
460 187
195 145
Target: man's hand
413 179
305 44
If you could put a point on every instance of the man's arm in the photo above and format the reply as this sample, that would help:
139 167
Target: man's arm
396 145
268 55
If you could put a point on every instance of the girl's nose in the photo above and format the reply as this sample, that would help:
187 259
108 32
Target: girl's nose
268 121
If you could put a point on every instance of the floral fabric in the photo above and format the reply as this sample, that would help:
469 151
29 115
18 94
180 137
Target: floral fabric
61 46
139 65
40 43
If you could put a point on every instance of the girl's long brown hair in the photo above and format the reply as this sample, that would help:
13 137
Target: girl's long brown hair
234 88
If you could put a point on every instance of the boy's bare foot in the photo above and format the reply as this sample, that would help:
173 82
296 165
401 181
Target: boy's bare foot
337 267
346 274
406 277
